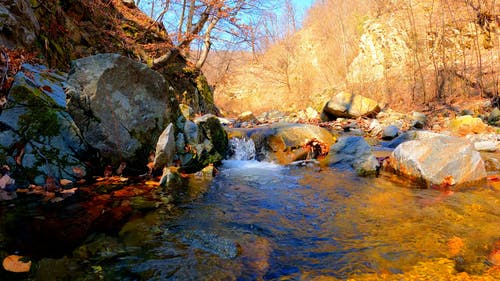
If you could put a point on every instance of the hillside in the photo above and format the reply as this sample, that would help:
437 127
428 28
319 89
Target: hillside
406 54
56 32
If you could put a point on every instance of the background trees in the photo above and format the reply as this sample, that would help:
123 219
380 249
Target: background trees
197 26
405 53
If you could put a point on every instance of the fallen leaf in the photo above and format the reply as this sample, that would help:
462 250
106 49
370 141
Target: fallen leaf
13 263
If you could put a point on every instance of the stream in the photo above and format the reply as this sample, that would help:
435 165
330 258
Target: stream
263 221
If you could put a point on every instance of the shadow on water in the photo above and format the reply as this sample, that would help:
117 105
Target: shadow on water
261 221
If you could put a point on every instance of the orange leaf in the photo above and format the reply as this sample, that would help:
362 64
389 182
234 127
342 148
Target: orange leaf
13 263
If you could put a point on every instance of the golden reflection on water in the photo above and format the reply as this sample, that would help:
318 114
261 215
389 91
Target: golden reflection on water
312 223
415 234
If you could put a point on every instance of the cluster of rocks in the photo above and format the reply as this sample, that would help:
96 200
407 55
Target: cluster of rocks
447 156
108 111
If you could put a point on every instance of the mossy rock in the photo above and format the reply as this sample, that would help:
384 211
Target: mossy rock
39 138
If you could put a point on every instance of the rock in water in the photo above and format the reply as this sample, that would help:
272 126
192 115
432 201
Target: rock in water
121 106
286 142
433 161
353 152
347 105
203 142
212 243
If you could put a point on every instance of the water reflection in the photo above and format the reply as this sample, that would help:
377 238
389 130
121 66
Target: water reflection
296 223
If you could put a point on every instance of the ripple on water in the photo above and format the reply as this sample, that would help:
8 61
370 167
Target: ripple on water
317 224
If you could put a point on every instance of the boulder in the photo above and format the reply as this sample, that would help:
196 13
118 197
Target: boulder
494 116
353 152
464 125
38 138
410 135
436 161
165 148
375 128
246 116
202 142
121 106
485 142
287 142
418 120
390 132
347 105
488 146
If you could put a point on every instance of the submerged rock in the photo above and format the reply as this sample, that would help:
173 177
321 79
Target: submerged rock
212 243
438 160
353 152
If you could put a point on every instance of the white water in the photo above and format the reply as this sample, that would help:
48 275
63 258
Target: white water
242 149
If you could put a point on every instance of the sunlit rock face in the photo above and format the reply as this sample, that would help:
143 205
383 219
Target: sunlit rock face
121 106
440 160
349 105
382 48
38 138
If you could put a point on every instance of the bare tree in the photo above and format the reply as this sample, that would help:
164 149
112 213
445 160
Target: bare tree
204 22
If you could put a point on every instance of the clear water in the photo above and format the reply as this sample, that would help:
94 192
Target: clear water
262 221
301 223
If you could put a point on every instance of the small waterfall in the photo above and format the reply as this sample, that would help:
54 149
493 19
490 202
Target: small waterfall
241 149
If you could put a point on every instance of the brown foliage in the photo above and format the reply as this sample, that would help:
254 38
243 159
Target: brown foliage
403 53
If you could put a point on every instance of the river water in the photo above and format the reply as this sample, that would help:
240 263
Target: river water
263 221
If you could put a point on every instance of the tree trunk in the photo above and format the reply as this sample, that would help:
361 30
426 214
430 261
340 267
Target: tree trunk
206 44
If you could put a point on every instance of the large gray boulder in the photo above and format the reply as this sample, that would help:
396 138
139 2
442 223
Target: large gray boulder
347 105
438 160
121 106
38 138
353 152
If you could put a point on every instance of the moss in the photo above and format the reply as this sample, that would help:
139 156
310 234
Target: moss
40 118
204 89
217 135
